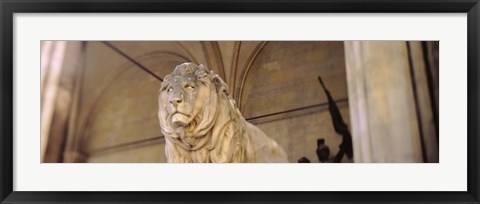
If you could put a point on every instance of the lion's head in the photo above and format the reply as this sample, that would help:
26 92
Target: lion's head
189 104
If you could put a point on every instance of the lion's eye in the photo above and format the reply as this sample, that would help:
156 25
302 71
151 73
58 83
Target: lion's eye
190 87
169 89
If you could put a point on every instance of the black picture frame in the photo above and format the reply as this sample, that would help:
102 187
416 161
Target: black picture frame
10 7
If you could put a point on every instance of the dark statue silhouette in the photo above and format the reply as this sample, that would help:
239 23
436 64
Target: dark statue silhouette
340 127
323 152
303 160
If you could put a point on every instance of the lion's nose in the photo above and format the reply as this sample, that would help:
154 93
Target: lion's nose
176 100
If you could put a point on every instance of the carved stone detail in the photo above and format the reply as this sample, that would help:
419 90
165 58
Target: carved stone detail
201 122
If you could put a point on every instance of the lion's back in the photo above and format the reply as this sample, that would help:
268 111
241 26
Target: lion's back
263 148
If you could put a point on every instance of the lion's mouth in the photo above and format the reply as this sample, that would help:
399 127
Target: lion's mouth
184 126
180 120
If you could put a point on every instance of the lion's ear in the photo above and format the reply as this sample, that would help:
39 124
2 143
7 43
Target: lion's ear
202 71
165 81
220 85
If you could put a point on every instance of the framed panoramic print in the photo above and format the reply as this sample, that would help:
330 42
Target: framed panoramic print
239 101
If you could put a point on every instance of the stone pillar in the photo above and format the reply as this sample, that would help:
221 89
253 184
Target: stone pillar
52 56
382 104
61 68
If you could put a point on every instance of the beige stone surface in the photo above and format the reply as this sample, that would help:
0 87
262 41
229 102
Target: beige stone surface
382 102
284 77
227 49
244 54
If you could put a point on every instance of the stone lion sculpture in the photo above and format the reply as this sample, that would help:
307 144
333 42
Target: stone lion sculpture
201 123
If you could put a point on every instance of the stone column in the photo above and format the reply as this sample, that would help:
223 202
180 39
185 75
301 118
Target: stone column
52 59
382 104
60 79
